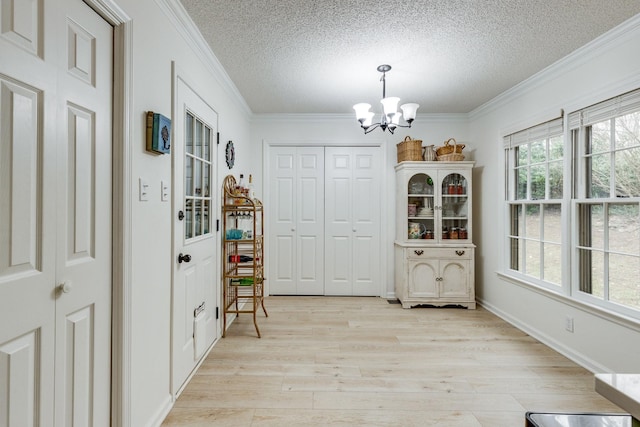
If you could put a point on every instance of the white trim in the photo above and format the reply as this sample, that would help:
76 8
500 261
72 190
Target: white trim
110 11
158 417
121 305
327 117
568 352
374 142
585 54
183 23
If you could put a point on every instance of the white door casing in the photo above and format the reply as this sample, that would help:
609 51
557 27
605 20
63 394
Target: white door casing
195 281
55 264
296 229
352 221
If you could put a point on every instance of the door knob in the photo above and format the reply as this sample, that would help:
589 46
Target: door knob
65 287
184 258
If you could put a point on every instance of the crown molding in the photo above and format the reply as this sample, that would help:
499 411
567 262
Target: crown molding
325 117
589 52
183 23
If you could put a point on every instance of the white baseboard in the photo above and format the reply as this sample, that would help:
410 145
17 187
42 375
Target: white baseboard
568 352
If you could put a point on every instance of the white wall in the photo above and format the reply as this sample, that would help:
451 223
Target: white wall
345 130
605 68
156 43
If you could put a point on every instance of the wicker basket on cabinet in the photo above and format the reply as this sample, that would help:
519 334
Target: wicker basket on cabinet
450 153
409 150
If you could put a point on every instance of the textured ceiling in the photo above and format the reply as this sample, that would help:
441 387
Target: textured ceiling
450 56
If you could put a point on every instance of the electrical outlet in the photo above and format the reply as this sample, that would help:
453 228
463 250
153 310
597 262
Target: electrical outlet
568 323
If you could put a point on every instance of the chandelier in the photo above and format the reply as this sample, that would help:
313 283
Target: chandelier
390 118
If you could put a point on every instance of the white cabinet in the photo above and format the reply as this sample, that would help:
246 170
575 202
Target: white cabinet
433 248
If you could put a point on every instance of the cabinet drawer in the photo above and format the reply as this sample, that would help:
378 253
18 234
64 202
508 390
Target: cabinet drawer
439 253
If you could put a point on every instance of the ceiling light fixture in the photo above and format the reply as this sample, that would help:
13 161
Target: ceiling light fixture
391 117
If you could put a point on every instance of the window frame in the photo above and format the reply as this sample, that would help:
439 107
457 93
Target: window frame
542 132
577 127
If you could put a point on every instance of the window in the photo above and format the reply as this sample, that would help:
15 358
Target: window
606 139
535 202
590 219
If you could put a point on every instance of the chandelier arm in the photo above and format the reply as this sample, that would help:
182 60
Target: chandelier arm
370 128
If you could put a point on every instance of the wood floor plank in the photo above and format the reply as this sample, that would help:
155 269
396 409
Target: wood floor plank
340 418
360 361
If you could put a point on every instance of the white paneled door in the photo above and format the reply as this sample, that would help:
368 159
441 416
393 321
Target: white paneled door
296 236
352 221
324 218
195 294
55 215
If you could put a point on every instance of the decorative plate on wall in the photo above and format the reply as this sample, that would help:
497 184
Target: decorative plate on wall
230 154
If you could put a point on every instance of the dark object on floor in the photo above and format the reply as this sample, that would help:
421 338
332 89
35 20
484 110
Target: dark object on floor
538 419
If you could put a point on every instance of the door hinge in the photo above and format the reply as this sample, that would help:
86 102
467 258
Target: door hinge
217 225
217 138
217 312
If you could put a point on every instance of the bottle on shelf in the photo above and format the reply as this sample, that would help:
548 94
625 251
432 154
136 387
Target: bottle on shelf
237 190
241 184
251 191
240 258
462 234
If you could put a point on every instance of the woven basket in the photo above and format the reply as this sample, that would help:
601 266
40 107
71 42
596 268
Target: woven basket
453 157
449 149
409 149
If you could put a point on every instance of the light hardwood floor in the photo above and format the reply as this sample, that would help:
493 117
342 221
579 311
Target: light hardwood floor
353 361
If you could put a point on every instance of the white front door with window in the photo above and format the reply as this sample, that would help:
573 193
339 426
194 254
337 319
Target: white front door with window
55 216
195 281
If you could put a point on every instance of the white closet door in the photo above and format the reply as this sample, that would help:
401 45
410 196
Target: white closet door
55 215
352 221
296 236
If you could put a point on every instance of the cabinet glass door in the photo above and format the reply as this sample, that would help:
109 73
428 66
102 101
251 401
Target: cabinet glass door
454 207
420 207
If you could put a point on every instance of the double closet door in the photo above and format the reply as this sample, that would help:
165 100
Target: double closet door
324 221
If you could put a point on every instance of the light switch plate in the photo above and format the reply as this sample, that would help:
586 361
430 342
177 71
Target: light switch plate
164 191
144 190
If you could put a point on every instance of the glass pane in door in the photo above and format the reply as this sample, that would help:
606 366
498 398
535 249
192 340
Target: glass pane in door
454 207
420 205
198 137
